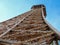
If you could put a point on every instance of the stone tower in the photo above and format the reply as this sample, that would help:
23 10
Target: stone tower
30 28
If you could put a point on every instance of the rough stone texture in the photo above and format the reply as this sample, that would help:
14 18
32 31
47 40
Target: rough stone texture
33 22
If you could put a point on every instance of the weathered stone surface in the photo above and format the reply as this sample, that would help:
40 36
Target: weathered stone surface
33 22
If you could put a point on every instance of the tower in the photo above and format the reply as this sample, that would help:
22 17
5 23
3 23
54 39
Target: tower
30 28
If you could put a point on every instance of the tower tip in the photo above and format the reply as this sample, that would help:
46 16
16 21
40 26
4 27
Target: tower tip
37 6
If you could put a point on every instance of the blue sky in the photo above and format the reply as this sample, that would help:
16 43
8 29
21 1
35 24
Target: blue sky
12 8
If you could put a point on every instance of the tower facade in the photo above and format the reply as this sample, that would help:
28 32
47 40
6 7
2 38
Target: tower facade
29 28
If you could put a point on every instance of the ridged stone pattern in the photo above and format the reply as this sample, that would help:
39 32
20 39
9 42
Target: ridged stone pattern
31 31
